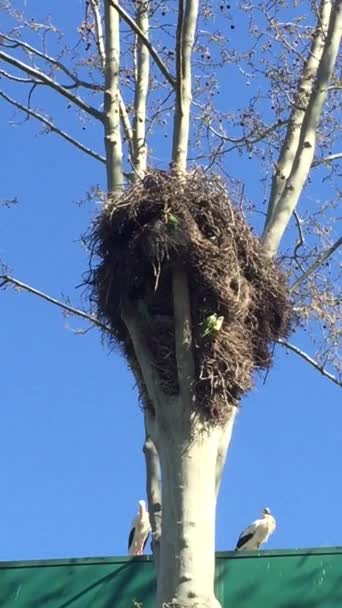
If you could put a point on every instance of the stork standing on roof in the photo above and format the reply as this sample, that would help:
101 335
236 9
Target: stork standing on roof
140 531
257 533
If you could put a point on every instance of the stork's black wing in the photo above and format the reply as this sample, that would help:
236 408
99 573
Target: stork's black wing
130 538
242 540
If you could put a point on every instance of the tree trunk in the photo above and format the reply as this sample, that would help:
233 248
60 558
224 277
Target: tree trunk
189 458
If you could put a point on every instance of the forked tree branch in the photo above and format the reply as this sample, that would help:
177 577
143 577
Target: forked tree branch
294 184
310 360
52 127
43 78
136 29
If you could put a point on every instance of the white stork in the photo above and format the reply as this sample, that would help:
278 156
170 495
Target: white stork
140 531
257 533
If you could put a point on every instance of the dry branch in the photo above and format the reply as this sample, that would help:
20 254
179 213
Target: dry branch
317 264
310 360
6 279
52 127
44 79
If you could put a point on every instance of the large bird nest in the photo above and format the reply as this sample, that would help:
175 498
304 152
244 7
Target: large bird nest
163 222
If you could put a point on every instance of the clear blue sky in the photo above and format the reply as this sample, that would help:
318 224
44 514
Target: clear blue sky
70 427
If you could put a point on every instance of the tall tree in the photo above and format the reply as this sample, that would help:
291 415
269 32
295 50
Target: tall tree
179 281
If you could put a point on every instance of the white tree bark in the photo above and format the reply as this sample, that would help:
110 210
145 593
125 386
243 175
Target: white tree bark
188 456
303 147
186 30
113 144
305 86
141 90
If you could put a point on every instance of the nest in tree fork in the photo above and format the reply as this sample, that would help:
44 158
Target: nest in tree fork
164 222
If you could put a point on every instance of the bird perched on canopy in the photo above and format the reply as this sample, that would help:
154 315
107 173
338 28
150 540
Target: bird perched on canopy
211 325
140 531
257 533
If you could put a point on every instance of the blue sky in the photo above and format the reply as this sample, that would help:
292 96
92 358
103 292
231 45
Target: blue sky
70 427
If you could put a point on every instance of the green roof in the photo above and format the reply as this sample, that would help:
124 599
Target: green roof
308 578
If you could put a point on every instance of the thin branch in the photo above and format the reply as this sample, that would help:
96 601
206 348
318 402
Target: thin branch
326 160
94 4
7 279
317 263
311 361
141 91
126 124
300 241
52 60
52 127
18 79
40 76
248 139
153 489
136 29
112 100
183 336
287 197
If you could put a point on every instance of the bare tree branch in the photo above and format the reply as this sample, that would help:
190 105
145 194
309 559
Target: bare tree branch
126 124
291 141
186 31
94 4
141 91
136 29
52 127
310 360
31 49
153 488
317 263
326 160
112 100
286 200
18 79
6 279
38 75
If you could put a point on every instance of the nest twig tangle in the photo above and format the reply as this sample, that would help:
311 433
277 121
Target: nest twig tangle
239 299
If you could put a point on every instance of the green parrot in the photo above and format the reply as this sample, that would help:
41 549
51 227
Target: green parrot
211 325
171 219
